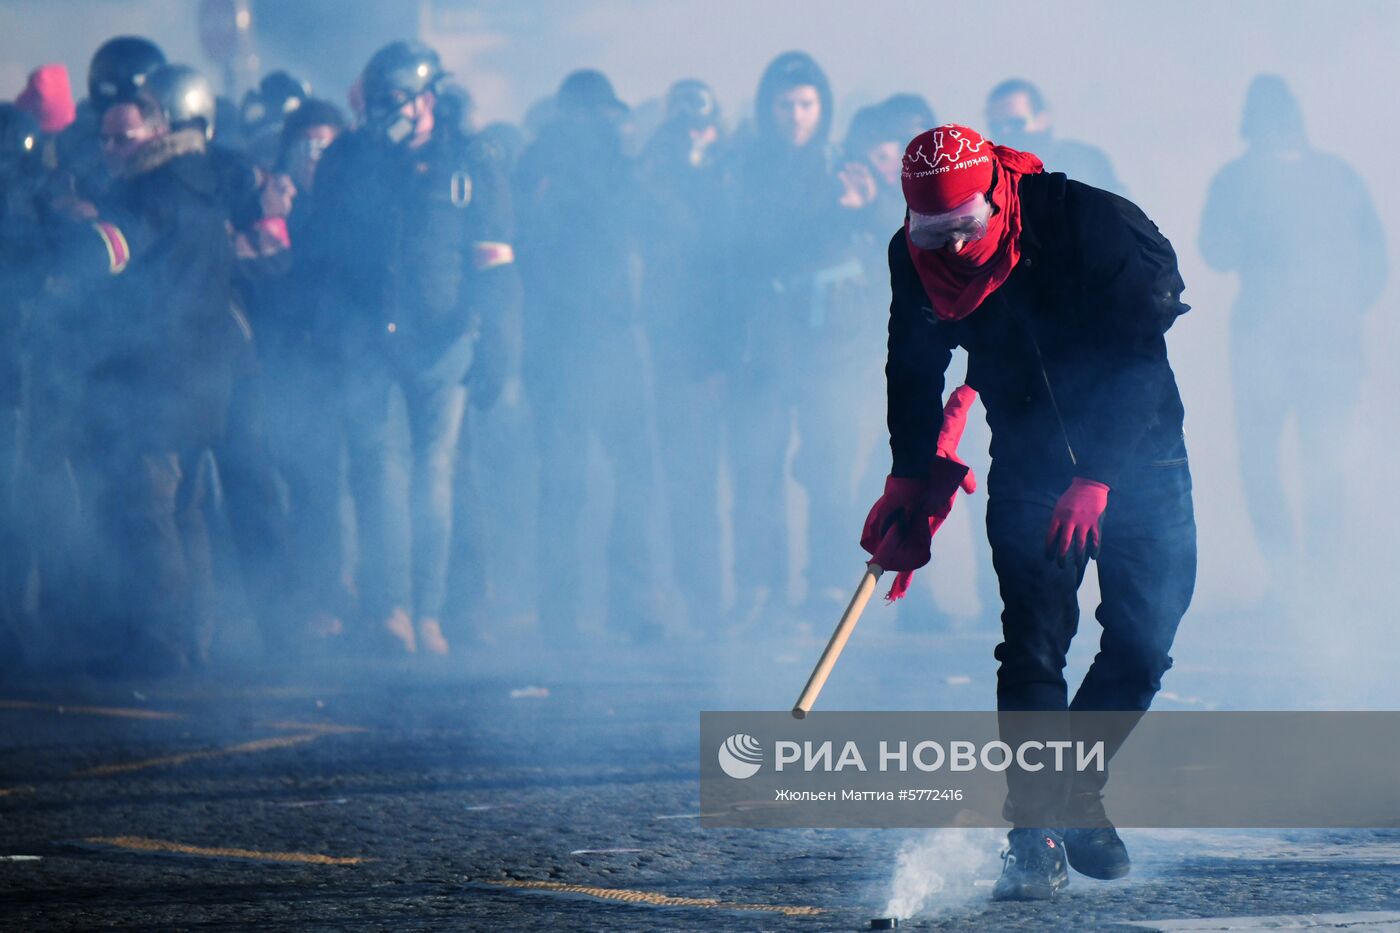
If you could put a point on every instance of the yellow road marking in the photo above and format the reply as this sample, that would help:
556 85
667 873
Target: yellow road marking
10 791
259 745
138 844
320 728
653 898
249 693
116 711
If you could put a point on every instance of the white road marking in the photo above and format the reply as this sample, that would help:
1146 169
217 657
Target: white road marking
1360 922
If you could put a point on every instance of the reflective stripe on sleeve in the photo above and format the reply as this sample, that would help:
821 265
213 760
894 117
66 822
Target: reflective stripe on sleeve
118 253
488 255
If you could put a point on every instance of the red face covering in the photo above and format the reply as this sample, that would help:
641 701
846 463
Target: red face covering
944 167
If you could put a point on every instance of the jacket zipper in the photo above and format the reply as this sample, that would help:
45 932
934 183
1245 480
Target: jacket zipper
1054 405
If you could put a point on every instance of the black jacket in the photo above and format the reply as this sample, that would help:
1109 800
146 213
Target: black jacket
21 267
393 237
578 238
164 333
1069 354
686 260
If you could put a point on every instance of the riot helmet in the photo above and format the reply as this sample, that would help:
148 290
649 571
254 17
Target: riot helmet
119 69
186 96
397 74
277 95
588 90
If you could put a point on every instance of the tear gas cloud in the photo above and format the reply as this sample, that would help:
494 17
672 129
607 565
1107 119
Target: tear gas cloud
1292 499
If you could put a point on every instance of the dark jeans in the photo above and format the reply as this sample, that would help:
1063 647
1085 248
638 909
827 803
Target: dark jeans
759 424
690 440
253 507
306 437
403 495
578 394
830 409
156 580
1147 571
1317 385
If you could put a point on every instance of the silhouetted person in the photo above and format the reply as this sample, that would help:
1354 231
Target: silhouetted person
1018 116
583 368
685 266
263 111
299 370
21 286
793 221
251 500
1298 227
158 384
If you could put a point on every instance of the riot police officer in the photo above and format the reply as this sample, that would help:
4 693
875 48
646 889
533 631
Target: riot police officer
411 225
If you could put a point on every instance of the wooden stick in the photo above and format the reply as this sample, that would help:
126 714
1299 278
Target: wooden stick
838 641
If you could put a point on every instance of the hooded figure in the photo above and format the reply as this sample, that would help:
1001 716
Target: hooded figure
784 180
685 264
584 363
792 242
1298 227
1061 294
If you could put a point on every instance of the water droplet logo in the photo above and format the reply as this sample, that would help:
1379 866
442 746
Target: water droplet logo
741 756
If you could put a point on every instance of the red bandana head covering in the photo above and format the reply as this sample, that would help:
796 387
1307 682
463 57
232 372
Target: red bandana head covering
944 167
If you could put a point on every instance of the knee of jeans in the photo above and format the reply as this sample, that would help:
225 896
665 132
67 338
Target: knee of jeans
1142 663
1030 659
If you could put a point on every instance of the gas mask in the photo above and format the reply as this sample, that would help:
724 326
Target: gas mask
386 117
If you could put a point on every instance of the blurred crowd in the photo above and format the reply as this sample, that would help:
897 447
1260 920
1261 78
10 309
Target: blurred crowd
352 371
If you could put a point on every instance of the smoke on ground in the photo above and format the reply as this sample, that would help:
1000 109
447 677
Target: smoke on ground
936 873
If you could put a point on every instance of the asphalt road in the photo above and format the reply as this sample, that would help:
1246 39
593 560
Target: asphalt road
500 792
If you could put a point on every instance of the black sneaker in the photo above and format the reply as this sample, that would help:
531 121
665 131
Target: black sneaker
1093 845
1033 866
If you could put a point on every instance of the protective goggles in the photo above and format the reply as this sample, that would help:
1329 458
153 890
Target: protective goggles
966 222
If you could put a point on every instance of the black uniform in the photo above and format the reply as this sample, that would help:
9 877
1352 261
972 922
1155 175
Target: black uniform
419 290
687 266
584 361
50 265
1301 231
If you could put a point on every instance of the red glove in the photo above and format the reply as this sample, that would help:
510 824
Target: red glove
1075 522
899 530
954 420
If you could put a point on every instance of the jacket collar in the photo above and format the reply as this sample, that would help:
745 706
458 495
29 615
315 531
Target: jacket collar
163 149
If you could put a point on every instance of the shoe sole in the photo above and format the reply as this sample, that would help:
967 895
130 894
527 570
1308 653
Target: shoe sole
1112 874
1027 892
